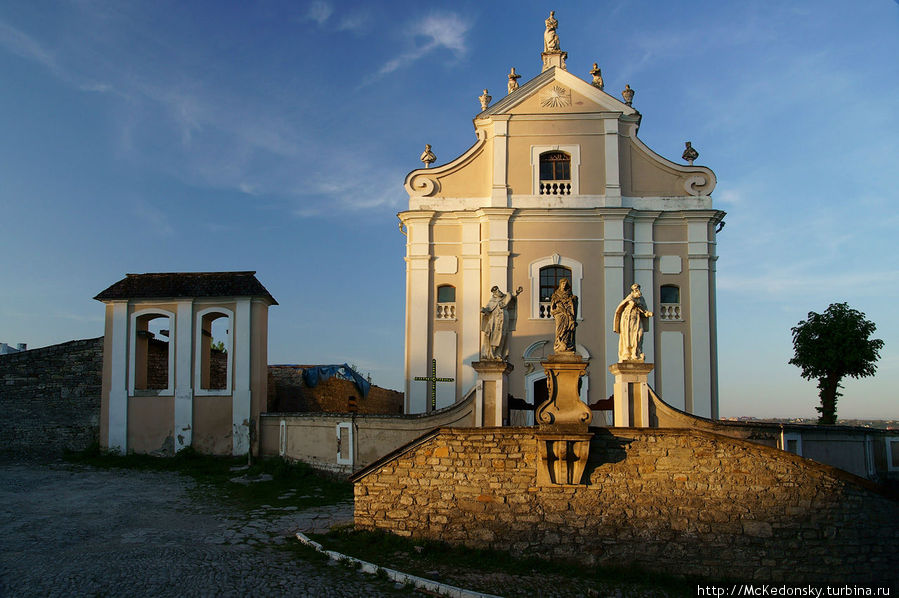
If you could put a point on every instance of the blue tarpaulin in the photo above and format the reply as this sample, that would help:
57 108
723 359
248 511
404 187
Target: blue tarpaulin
313 375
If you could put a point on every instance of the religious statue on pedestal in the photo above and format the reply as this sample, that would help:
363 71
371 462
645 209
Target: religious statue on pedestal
497 321
513 80
550 37
563 307
630 316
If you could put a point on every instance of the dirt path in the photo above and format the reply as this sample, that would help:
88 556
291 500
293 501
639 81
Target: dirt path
71 530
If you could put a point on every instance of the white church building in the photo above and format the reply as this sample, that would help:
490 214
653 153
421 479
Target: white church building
559 185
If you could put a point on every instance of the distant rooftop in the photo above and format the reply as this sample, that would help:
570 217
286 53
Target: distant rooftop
159 285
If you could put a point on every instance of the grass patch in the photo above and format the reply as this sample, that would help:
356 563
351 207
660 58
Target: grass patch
493 570
291 484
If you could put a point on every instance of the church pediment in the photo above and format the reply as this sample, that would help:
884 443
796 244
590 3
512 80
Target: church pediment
556 91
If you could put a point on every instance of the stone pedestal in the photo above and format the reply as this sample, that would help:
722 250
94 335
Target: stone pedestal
563 443
554 58
492 403
631 393
564 409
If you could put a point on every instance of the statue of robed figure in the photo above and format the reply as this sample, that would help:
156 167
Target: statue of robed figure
630 322
498 319
563 307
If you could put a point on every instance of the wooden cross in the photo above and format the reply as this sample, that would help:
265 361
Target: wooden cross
433 379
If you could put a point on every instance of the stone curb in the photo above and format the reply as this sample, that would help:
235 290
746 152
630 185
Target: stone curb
397 576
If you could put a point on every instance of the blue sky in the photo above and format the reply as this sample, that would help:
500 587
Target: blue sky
275 136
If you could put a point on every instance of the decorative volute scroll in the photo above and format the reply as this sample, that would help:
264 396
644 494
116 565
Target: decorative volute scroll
426 182
423 186
694 185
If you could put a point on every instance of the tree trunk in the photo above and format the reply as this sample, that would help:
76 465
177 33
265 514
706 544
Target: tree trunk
828 392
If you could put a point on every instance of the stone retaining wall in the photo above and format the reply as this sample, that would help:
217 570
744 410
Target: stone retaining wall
680 501
50 397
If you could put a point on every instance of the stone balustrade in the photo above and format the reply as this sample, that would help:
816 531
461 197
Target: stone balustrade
670 312
555 187
445 311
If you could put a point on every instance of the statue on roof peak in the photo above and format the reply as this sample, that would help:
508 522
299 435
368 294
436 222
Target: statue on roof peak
550 37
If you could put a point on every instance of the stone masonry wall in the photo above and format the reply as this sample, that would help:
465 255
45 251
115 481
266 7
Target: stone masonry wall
679 501
50 397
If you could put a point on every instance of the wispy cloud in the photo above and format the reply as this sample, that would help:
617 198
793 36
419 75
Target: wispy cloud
23 45
319 12
153 218
370 189
439 31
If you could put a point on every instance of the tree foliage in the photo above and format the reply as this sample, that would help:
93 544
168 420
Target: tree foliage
832 345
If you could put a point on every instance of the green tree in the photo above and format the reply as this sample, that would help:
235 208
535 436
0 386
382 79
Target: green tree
832 345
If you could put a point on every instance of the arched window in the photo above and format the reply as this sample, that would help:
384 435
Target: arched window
152 357
446 302
555 173
669 300
214 347
549 281
545 274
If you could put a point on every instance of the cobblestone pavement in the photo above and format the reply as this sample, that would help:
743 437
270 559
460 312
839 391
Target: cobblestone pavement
68 530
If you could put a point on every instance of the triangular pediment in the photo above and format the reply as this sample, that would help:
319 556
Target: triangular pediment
555 91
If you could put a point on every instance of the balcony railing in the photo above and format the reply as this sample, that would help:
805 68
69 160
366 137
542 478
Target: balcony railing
670 312
543 313
555 187
446 311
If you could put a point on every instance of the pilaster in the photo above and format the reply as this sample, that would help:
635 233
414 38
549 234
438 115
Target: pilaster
498 249
240 399
644 262
418 307
700 403
117 437
613 172
184 334
499 195
471 301
613 285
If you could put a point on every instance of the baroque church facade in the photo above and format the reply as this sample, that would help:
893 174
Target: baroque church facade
558 185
